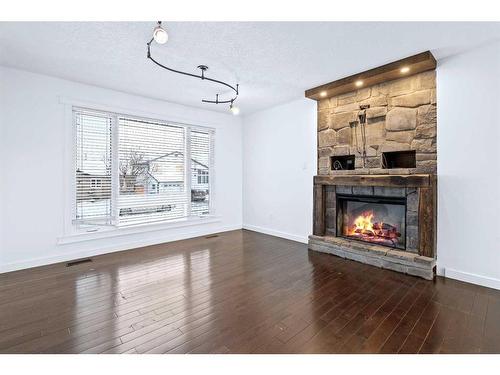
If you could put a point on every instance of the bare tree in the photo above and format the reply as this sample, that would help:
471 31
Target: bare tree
134 165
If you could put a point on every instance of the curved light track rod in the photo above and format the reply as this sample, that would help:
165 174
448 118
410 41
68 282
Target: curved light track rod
202 76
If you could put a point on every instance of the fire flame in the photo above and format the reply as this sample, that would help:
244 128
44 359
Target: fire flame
363 224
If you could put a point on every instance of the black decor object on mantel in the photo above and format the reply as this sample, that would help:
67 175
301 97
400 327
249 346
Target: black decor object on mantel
160 36
343 162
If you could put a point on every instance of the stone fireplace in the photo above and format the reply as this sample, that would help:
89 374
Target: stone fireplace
375 192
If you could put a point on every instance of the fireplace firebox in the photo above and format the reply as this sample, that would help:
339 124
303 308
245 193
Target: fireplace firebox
378 220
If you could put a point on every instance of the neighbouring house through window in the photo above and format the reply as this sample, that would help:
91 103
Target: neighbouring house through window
134 171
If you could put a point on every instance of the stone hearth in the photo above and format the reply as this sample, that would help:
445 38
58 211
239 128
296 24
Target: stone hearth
379 256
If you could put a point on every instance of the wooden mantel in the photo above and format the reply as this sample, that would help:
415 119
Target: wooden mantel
411 180
412 65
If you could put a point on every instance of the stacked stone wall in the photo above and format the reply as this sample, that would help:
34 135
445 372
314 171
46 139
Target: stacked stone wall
402 116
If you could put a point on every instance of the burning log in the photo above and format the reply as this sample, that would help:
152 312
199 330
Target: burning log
384 226
386 230
381 230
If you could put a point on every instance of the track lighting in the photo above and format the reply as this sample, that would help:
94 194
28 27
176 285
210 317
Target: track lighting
160 36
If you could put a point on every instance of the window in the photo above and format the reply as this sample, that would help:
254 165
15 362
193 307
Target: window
134 171
93 163
200 145
202 176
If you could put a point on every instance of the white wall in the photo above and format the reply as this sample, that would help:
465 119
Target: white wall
32 156
468 99
2 124
279 162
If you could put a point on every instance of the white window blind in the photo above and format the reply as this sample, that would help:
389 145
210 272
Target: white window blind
93 167
200 172
152 171
135 171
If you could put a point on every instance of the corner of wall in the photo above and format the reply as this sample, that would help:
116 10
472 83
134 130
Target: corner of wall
279 161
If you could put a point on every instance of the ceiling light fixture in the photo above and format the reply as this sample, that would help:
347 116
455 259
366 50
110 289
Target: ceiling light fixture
359 83
322 94
235 110
405 69
160 36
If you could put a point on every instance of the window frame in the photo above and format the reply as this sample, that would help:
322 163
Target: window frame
69 186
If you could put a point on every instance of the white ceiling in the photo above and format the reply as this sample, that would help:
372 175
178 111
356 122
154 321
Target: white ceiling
273 62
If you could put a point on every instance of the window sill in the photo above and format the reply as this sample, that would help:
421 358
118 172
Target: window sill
134 229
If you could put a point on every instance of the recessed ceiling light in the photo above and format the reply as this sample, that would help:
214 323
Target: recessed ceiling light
405 69
322 94
359 83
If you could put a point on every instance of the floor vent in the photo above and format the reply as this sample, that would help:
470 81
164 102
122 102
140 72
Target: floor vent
212 236
79 261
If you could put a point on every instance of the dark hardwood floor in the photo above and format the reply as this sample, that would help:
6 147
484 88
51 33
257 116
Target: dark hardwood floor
240 292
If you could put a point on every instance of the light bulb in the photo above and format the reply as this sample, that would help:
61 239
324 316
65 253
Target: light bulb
359 83
160 35
235 110
405 69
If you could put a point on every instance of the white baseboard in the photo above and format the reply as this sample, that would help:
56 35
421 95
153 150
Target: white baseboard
472 278
277 233
43 261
